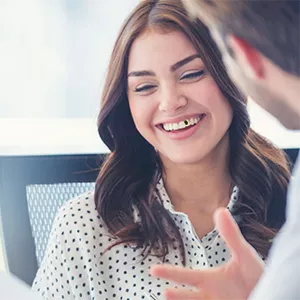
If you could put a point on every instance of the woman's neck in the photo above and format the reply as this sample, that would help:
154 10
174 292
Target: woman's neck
203 186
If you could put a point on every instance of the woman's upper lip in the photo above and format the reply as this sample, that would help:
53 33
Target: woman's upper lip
178 119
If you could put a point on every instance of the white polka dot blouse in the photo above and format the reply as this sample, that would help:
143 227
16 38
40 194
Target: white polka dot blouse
76 265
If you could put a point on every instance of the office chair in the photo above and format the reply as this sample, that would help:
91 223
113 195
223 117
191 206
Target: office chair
32 188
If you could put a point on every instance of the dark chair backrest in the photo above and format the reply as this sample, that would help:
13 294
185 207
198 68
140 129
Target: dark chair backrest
20 173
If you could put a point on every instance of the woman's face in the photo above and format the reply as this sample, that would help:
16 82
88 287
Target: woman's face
175 103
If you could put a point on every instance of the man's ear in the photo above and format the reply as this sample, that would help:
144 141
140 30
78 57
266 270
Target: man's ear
248 58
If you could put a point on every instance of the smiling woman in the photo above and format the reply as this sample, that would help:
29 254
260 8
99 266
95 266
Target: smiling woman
181 146
178 93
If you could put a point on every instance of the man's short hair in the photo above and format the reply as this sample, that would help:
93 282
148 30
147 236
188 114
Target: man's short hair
272 27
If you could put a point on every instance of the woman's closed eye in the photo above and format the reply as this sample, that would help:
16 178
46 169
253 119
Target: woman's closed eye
192 75
145 88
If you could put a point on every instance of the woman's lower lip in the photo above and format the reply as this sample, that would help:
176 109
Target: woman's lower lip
183 134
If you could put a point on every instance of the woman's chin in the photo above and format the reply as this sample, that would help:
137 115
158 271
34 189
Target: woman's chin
183 157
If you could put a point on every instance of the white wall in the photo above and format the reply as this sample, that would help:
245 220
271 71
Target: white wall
54 54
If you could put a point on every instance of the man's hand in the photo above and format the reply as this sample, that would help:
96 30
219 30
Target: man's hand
233 280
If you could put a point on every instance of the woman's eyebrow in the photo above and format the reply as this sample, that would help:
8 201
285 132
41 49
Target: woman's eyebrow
141 73
173 68
184 62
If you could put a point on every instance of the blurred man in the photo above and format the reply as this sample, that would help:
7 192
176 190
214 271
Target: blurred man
259 41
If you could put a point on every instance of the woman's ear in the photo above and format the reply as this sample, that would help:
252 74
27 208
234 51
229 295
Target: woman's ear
248 58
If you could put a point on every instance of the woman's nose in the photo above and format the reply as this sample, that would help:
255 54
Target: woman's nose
171 101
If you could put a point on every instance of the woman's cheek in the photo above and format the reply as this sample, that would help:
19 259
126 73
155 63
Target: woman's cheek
143 112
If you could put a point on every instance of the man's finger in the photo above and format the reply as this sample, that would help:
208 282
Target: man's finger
230 232
186 276
180 294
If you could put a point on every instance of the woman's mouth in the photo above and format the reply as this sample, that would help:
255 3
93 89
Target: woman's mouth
182 129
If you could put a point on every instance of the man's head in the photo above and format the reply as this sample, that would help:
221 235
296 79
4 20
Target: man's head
260 44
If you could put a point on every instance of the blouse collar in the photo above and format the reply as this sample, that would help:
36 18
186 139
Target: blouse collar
165 199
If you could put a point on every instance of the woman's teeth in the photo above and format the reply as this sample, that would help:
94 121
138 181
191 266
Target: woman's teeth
181 124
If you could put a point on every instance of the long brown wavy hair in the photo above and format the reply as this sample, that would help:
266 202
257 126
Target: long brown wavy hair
131 171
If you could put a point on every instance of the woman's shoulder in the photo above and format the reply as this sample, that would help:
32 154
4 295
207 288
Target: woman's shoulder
78 231
77 243
79 218
79 207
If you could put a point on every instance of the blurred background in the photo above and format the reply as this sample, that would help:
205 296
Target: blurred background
53 58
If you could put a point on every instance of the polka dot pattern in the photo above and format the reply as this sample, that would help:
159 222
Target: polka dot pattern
76 265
